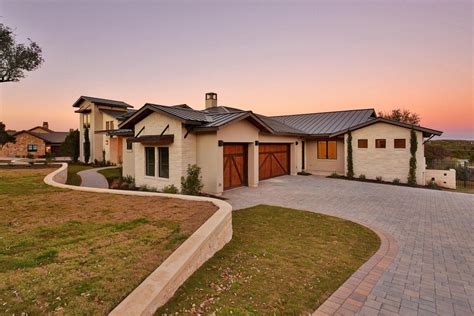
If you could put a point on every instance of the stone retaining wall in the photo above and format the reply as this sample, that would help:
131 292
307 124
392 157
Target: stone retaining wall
162 283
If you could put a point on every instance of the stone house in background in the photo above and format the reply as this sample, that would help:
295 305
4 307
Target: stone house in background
37 142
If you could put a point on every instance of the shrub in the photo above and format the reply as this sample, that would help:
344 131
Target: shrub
379 178
87 146
304 173
350 164
396 181
192 183
172 189
362 176
334 175
432 185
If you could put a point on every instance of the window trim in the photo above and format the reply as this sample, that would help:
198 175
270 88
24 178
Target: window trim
404 143
159 162
384 142
327 149
366 143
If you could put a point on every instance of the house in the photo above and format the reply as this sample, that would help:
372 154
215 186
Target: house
98 121
37 142
236 147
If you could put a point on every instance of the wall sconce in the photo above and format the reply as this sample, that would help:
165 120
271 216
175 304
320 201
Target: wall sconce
296 143
220 143
257 143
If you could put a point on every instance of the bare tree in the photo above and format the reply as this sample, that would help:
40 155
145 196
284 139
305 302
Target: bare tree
15 58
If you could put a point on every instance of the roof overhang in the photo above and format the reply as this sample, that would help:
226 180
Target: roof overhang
152 139
427 132
120 132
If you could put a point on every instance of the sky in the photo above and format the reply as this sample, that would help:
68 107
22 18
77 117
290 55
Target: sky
271 57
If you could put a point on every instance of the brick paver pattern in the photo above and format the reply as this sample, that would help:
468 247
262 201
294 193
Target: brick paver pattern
432 271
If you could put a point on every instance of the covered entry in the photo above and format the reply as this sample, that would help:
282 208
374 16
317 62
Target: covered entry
235 165
273 160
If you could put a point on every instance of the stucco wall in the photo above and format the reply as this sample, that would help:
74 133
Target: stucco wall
209 158
389 163
128 164
154 124
326 166
295 150
20 147
442 178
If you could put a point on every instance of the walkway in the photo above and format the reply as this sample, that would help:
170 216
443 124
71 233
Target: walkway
91 178
426 266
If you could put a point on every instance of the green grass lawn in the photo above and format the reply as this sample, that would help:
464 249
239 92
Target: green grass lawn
72 170
280 261
111 174
79 253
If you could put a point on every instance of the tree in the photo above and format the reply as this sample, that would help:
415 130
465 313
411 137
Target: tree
70 147
350 163
15 58
87 145
413 149
4 136
434 152
404 116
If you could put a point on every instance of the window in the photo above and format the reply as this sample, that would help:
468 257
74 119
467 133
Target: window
327 149
380 143
109 125
32 148
87 120
399 143
164 162
129 145
362 143
150 161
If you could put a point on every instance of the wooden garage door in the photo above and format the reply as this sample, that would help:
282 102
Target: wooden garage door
235 165
273 160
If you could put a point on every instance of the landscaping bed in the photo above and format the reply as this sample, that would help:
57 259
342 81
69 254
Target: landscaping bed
381 181
70 252
279 260
112 174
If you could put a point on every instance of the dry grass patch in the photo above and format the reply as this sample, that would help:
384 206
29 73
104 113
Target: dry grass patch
72 252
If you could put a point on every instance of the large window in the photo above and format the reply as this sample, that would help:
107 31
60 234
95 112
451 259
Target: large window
380 143
150 161
86 120
32 148
327 149
109 125
163 162
399 143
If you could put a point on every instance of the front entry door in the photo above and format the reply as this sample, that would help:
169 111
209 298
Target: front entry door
235 165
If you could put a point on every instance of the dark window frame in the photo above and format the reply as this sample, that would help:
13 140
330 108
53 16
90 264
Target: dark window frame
150 162
398 146
164 162
382 141
129 145
32 148
365 140
327 149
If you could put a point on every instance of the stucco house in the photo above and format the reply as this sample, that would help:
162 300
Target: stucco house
36 142
99 120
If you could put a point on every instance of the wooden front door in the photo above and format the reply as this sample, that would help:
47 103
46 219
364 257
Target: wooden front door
235 165
273 160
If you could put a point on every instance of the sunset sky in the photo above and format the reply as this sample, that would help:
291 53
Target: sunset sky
269 57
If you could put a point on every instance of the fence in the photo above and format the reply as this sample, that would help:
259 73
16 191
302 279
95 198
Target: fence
464 172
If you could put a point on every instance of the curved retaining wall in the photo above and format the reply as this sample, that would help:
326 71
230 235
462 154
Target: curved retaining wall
162 283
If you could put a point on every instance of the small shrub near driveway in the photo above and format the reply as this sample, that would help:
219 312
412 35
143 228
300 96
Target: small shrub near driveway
396 181
379 178
362 177
192 183
172 189
279 261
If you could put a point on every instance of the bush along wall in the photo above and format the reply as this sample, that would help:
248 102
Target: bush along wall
350 162
413 149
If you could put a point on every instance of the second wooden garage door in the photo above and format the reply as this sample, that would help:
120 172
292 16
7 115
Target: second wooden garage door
235 165
273 160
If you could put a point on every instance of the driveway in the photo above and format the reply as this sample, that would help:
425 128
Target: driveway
433 267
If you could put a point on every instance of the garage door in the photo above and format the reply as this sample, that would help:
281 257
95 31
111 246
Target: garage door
235 165
273 160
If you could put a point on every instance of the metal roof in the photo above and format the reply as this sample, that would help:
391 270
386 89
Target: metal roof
325 123
427 132
222 119
101 102
222 110
279 127
182 113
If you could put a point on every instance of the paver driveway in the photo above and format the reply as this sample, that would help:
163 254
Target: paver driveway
433 272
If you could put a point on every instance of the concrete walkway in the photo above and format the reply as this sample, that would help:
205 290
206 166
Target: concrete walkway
428 248
91 178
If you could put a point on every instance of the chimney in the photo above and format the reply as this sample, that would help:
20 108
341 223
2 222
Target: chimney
211 100
46 125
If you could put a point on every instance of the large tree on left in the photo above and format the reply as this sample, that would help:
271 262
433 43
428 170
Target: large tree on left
4 136
16 59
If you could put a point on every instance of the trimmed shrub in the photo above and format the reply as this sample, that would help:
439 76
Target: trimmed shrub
413 149
172 189
396 181
350 163
379 178
362 176
192 183
334 175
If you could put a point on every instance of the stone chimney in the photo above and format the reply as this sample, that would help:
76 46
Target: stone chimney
46 125
211 100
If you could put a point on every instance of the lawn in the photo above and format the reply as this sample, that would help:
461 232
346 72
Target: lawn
111 174
72 177
79 253
279 261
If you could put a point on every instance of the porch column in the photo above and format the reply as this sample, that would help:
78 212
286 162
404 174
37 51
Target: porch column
252 165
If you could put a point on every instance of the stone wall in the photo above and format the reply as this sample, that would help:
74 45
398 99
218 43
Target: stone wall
20 147
442 178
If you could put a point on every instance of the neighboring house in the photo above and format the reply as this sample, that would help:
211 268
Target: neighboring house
36 142
101 118
234 147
